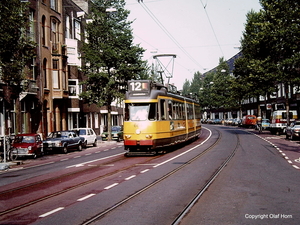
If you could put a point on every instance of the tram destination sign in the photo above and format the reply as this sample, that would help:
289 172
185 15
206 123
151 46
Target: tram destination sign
139 87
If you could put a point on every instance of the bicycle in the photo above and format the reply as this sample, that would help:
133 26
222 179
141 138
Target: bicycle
259 128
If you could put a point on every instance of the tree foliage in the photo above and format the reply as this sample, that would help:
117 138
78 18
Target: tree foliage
110 55
15 46
270 47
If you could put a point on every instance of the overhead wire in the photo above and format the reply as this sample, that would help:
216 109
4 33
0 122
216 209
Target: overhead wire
148 11
204 7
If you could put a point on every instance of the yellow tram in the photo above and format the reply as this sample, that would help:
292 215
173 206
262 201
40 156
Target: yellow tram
156 118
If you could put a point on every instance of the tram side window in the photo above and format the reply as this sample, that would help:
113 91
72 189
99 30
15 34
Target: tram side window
190 111
198 112
153 114
170 109
175 110
182 107
163 115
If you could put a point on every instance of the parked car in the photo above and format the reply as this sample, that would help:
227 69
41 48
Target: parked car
249 121
89 136
293 131
62 141
27 145
116 134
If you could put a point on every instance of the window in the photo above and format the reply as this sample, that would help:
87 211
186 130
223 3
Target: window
55 74
74 88
68 29
54 35
43 34
45 73
77 30
31 33
53 4
163 115
170 109
140 111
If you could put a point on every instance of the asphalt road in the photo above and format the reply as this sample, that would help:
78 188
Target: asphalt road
259 185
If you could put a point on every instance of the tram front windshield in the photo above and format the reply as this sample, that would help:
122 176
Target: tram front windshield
140 112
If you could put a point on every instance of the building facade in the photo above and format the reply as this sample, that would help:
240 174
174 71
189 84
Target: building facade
49 98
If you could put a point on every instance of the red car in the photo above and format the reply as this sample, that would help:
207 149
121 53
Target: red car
27 145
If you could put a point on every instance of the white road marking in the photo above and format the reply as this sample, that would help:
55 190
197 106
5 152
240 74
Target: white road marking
51 212
82 164
128 178
296 167
144 171
86 197
191 149
111 186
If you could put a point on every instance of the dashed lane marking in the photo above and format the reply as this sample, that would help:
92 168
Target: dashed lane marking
51 212
128 178
144 171
86 197
111 186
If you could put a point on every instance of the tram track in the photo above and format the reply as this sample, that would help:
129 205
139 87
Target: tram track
20 191
185 211
130 197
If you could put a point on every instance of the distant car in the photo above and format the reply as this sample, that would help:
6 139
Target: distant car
293 131
89 136
265 124
116 134
27 145
249 121
62 141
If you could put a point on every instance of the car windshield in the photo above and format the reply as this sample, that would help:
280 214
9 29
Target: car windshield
24 139
115 128
58 135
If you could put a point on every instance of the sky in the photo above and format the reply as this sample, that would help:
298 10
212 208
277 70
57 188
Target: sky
197 32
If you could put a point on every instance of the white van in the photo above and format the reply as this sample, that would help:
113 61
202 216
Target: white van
278 122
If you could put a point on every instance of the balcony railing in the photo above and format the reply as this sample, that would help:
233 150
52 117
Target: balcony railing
29 86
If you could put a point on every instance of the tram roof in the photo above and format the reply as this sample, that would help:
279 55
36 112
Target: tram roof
153 90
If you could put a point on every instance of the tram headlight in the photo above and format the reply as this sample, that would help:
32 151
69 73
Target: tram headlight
127 136
149 136
137 131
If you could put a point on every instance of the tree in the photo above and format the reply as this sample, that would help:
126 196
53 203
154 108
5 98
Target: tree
186 87
283 48
196 83
110 55
270 45
16 49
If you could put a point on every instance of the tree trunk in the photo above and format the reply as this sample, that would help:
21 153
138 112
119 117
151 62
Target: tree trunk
287 105
109 122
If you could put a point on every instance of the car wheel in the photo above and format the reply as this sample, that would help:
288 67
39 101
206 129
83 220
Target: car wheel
65 150
85 144
79 147
95 143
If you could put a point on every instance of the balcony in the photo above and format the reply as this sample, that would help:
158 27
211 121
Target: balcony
28 87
